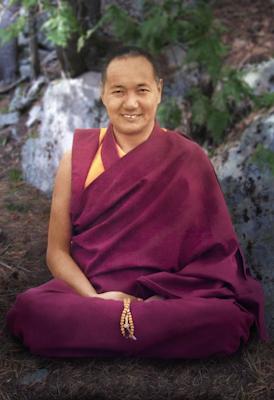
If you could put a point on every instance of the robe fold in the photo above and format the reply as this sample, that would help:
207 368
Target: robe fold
153 222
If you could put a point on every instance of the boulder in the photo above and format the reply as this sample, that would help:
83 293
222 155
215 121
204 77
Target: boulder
35 115
22 99
11 118
67 104
260 77
245 168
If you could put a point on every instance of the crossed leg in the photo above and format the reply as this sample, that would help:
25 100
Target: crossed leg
52 320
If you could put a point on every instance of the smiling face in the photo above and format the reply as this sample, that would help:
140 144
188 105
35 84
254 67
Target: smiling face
131 94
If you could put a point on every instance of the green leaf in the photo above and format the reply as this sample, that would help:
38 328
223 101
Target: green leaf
153 32
61 25
82 39
13 30
217 122
234 87
263 157
265 100
219 100
29 3
169 114
125 27
200 105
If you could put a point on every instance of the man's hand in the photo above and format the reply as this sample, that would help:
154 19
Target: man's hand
155 297
113 295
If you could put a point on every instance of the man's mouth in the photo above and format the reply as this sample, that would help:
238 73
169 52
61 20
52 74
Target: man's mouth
131 116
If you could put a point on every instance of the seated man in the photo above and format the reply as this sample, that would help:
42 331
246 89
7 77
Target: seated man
141 246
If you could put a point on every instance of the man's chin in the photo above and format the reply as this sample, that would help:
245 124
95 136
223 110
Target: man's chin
131 129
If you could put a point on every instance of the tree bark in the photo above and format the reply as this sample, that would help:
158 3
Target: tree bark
74 63
9 51
33 43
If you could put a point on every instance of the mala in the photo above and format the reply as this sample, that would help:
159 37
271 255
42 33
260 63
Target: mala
126 321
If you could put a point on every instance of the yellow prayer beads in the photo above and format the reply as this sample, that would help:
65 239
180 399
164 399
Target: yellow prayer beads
126 321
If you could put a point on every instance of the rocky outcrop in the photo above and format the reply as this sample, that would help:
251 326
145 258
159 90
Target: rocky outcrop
8 119
260 77
22 99
246 171
67 104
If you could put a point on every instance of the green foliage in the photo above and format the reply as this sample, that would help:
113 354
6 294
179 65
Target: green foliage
60 26
171 22
13 31
169 114
168 23
214 111
263 158
209 113
203 37
264 101
164 23
28 3
15 175
17 207
124 25
3 140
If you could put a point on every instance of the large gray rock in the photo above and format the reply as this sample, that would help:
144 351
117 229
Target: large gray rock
67 104
260 77
11 118
246 171
22 99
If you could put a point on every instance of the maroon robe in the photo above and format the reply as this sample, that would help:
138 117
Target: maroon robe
154 223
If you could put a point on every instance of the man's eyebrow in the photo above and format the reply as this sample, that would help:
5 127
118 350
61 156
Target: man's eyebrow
123 87
117 86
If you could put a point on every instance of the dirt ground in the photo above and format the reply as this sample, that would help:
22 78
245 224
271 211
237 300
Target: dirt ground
24 211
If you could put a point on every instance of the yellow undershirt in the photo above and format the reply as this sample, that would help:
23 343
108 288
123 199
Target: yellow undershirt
97 167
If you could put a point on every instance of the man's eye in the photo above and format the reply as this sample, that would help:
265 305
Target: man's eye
143 90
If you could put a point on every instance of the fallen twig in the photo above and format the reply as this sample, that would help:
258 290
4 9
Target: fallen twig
12 268
6 265
5 249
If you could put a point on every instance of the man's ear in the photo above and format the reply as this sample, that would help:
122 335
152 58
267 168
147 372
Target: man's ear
160 85
102 92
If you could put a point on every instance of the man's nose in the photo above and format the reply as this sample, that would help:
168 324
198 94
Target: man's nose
131 101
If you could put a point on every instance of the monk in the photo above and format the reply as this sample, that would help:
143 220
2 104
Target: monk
144 257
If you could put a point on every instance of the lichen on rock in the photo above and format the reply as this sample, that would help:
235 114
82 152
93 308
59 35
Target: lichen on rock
246 171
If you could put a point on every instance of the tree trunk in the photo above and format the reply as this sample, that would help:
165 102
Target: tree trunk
74 63
9 51
33 43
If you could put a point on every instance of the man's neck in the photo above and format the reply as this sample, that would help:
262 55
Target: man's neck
129 142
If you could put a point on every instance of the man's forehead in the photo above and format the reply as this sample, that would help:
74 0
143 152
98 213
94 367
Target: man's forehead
133 68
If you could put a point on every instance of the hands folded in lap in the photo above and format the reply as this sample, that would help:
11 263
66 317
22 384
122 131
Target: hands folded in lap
114 295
